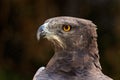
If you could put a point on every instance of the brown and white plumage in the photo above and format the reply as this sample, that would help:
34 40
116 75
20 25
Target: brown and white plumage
76 53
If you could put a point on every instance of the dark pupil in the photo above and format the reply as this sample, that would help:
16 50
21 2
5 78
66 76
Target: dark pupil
66 27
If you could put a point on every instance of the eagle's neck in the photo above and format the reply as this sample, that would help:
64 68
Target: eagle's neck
68 60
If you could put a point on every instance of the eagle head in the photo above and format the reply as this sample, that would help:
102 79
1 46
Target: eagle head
68 32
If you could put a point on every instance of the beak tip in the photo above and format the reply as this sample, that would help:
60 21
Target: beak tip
38 35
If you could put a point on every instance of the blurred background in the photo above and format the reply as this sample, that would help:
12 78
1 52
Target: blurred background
20 52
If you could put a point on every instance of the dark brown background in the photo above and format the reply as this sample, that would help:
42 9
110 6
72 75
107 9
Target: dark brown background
20 52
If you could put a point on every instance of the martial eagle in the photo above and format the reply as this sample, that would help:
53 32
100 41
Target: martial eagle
76 52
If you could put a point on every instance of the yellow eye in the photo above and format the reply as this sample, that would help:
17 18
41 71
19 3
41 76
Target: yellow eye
66 28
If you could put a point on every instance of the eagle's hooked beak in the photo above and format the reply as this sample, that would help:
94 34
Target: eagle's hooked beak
45 33
42 31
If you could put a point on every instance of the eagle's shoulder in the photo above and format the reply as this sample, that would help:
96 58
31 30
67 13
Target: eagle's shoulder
41 74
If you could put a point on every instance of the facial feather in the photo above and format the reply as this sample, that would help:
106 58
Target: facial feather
56 40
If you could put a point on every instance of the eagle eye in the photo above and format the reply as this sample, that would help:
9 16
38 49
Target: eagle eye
66 28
